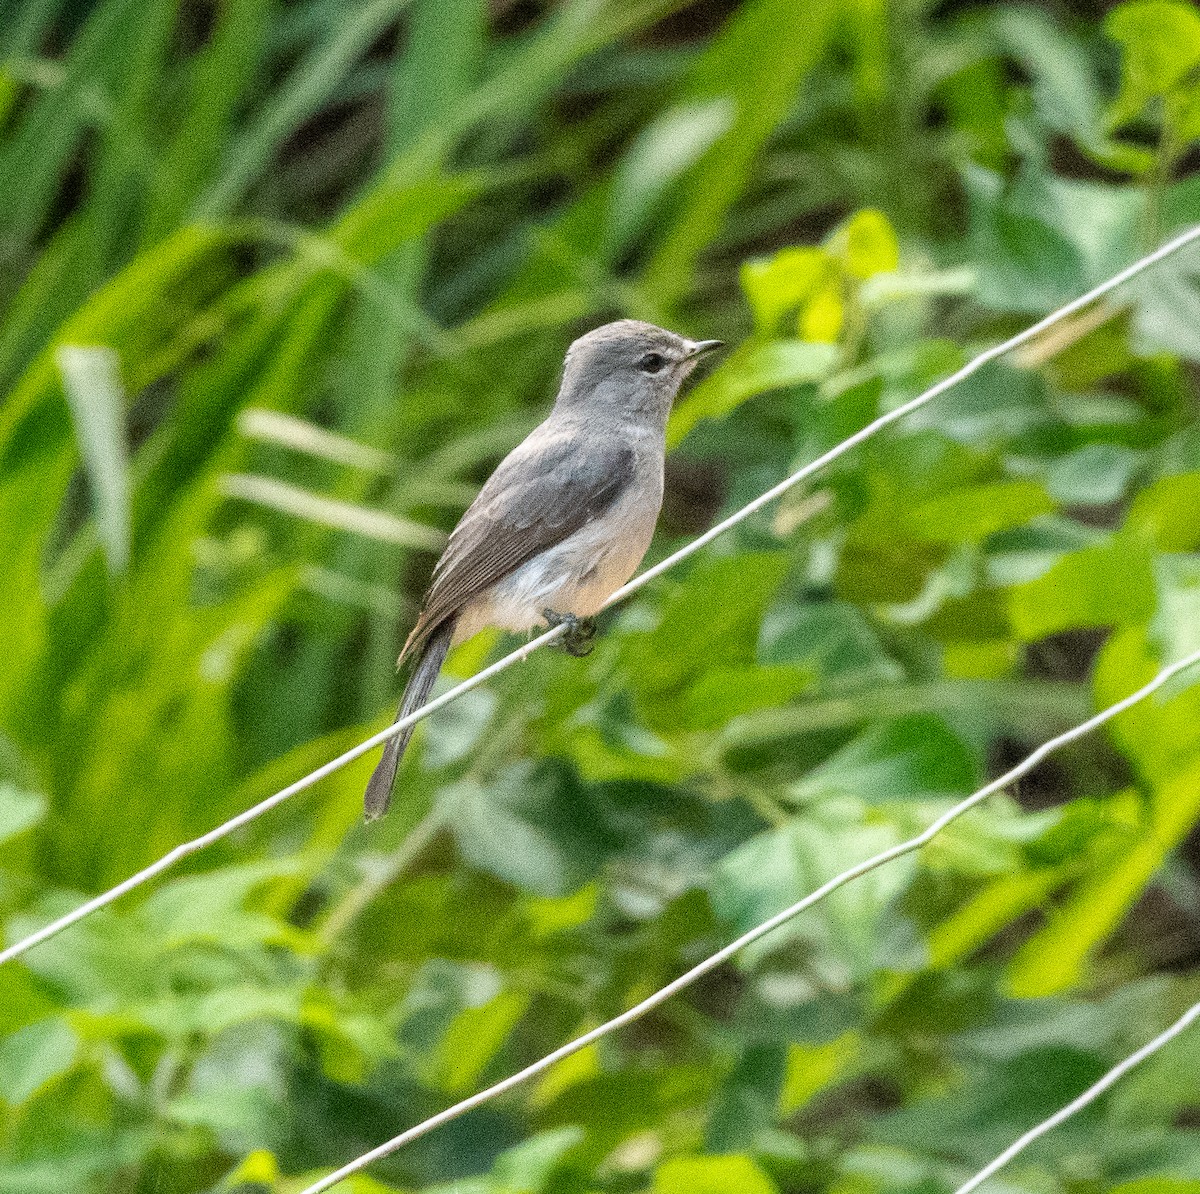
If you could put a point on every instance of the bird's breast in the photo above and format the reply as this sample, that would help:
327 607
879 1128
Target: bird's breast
576 576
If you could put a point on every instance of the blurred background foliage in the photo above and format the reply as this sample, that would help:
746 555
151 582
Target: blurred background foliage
280 281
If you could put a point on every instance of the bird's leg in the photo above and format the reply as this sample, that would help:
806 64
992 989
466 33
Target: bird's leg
577 640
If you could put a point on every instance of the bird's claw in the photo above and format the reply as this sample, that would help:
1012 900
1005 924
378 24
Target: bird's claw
577 640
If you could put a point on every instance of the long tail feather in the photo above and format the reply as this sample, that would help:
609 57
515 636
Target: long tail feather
416 692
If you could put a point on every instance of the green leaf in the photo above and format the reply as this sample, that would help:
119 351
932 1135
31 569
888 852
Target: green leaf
474 1037
1092 475
1157 1185
92 380
1003 901
914 758
711 1175
811 1068
1109 584
744 1106
1160 43
876 566
1165 513
529 1165
742 68
310 82
1166 310
1160 736
329 512
33 1056
832 637
1054 959
710 620
1176 625
972 513
777 867
723 693
211 905
531 827
663 152
19 810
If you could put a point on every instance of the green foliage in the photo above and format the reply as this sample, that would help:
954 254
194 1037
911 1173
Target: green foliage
278 285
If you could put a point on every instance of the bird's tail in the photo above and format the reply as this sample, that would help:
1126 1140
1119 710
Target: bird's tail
416 692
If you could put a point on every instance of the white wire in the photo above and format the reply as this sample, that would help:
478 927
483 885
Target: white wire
1092 1093
722 955
221 831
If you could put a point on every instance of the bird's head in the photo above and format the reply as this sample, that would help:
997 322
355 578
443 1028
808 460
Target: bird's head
630 366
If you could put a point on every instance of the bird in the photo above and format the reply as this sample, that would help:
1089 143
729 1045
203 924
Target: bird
563 521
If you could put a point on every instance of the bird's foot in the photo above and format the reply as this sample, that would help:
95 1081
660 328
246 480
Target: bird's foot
577 640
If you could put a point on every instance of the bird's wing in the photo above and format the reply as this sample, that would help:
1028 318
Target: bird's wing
538 496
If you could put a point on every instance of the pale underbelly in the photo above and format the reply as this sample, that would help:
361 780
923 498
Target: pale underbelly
576 577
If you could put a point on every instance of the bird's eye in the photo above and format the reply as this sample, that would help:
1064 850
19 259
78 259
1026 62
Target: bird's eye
652 362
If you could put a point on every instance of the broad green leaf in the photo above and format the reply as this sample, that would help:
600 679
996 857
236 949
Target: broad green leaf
972 513
211 905
531 828
823 317
1166 308
1160 736
982 1110
722 693
878 566
1092 475
833 637
178 1017
811 1068
1067 93
1165 513
744 1104
1040 240
710 620
259 1168
529 1165
473 1039
19 810
1176 626
1109 584
777 867
915 758
33 1056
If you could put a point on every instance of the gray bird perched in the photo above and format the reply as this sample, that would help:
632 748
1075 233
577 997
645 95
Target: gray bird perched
564 520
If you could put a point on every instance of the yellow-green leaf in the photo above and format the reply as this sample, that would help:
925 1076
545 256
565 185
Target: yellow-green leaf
867 244
711 1175
822 319
783 282
1160 43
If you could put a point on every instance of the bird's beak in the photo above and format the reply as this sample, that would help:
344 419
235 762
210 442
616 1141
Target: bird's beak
704 347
